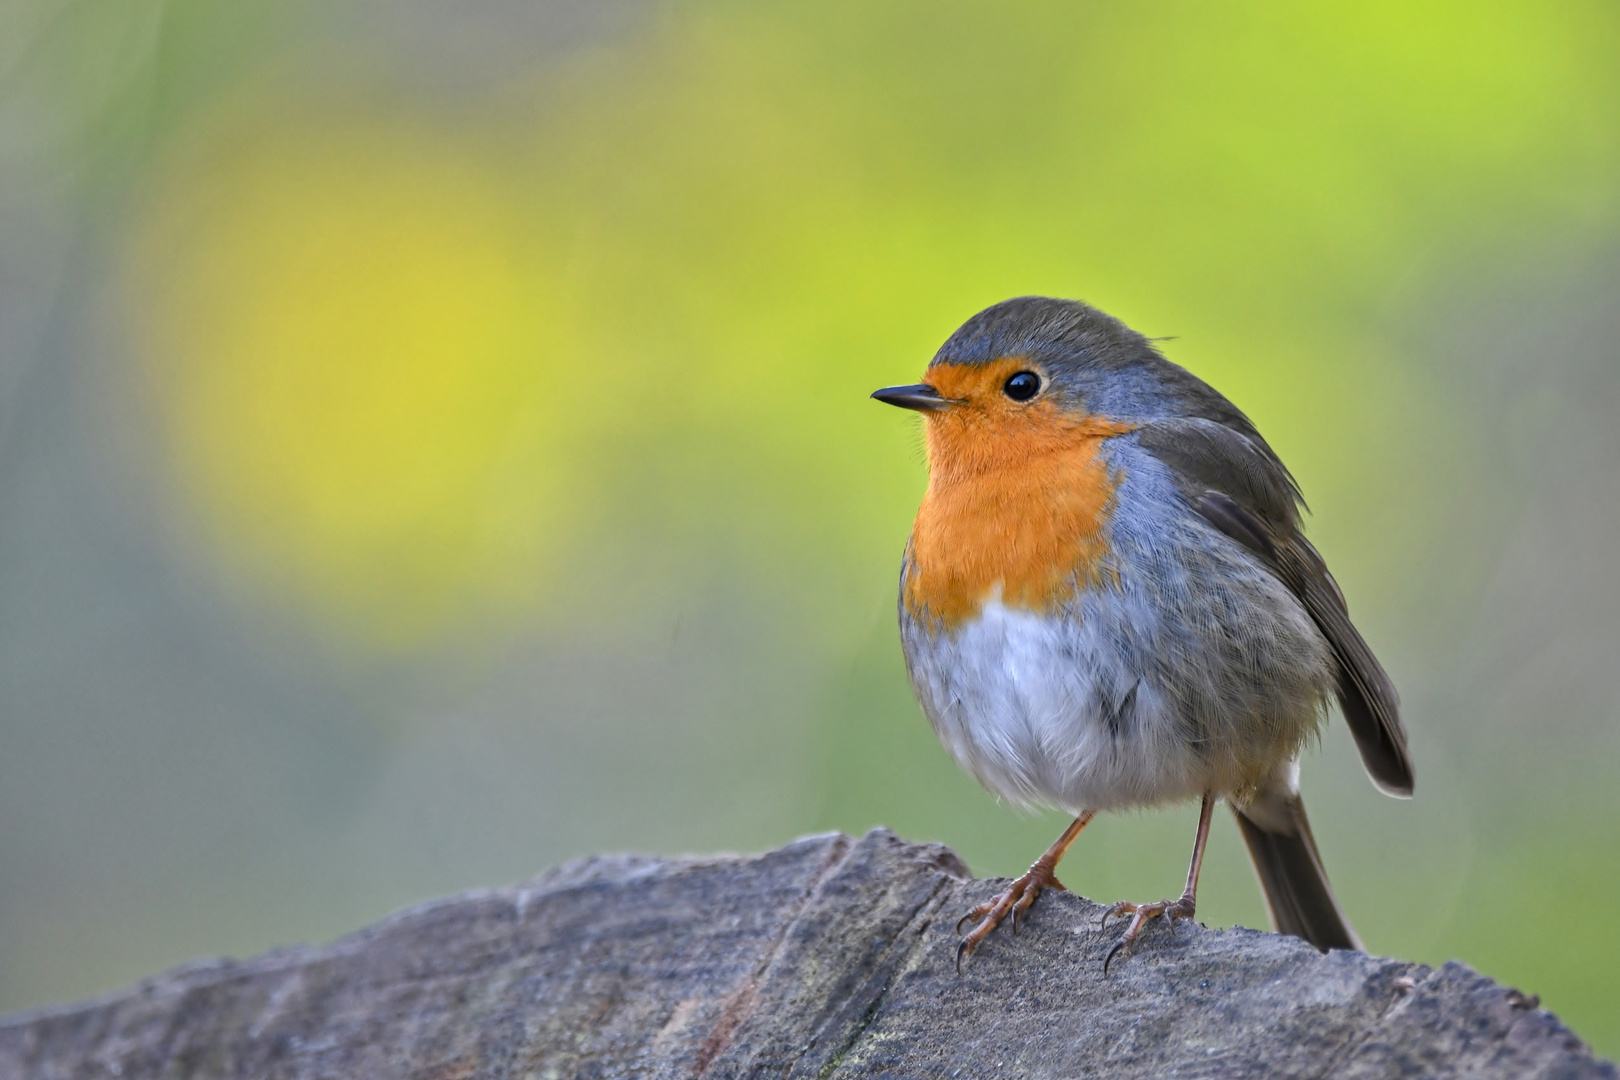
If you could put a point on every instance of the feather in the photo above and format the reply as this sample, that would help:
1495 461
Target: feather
1234 481
1296 887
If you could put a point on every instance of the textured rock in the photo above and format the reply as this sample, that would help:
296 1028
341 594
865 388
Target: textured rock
829 957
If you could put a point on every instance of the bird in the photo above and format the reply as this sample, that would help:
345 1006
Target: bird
1107 601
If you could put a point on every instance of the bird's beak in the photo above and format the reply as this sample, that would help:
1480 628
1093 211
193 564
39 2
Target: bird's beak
919 396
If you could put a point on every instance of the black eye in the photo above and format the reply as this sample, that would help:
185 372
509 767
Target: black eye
1022 386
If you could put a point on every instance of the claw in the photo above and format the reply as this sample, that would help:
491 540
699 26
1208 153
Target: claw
978 912
1184 908
1118 945
1141 915
1123 907
1014 900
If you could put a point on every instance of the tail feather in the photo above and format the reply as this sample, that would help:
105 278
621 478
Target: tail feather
1296 887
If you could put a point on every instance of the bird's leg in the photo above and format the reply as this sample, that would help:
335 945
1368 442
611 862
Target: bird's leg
1172 910
1017 897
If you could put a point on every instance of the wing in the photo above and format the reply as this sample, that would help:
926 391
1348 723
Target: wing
1235 481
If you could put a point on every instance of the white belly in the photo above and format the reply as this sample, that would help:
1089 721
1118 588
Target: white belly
1124 699
1047 715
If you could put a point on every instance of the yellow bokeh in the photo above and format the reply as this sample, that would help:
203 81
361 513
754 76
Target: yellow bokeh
353 359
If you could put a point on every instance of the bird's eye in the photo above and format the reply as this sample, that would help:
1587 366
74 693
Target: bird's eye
1022 386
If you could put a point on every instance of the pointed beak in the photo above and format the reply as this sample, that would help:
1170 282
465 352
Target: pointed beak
919 396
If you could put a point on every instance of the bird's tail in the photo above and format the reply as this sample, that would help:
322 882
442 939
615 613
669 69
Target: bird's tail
1297 891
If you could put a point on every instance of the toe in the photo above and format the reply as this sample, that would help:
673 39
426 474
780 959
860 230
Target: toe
1123 907
1013 901
1023 904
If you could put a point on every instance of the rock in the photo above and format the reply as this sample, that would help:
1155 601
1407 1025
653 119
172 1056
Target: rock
829 957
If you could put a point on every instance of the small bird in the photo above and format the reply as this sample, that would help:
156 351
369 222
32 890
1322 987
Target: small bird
1107 602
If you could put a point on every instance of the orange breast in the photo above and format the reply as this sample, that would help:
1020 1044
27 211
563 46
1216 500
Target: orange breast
1017 498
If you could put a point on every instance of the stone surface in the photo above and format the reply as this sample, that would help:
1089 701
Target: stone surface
830 957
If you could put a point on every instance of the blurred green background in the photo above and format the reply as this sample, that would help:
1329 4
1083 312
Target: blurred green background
436 444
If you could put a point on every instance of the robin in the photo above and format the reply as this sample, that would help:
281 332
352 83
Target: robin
1107 602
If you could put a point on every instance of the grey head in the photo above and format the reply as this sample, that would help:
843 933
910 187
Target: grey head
1095 362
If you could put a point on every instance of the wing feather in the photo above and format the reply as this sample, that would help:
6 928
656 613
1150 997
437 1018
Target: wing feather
1237 484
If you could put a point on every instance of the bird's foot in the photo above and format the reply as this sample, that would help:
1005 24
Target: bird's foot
1171 910
1014 900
